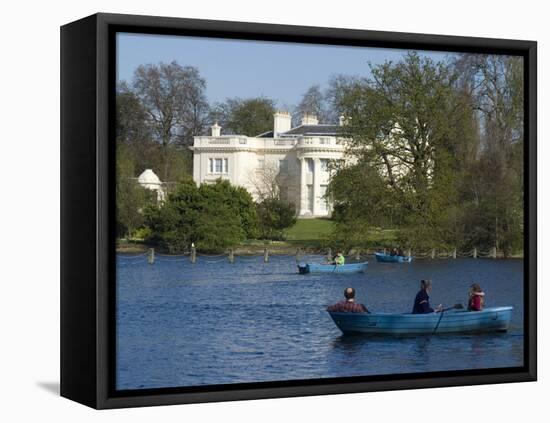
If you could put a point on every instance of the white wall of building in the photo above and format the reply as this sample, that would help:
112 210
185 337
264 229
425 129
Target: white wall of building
241 160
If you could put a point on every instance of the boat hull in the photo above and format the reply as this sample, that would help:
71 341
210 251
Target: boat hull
386 258
331 268
490 319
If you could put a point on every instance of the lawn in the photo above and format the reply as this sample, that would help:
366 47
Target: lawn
309 231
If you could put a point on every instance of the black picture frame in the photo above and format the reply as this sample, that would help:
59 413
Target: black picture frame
87 209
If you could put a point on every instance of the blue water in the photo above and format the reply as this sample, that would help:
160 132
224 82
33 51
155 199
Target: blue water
180 324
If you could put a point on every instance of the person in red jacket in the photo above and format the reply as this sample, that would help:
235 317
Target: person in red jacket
477 298
348 305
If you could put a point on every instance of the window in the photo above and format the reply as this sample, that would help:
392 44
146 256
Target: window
310 165
324 165
218 165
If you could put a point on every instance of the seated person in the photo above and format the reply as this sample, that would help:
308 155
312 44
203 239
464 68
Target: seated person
477 298
339 260
348 305
393 252
422 300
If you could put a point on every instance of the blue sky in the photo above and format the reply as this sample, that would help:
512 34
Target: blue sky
234 68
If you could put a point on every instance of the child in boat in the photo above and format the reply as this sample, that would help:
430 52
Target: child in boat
422 300
477 298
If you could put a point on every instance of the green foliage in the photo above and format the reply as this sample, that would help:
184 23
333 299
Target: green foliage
131 198
437 153
275 216
212 216
251 116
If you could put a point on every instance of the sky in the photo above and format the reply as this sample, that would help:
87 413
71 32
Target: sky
242 68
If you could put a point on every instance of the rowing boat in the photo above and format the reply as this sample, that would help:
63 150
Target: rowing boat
489 319
304 268
387 258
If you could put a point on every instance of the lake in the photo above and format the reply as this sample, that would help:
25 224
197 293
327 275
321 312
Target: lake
213 322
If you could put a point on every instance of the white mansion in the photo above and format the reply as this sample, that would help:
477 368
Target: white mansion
296 157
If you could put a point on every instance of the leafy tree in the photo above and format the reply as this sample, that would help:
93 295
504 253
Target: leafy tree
275 216
131 197
212 216
251 116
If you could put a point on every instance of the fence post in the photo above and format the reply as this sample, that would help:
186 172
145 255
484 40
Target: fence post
474 254
151 256
454 253
231 256
433 253
329 254
266 255
193 255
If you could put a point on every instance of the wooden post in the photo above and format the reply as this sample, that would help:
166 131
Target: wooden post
329 254
193 255
266 255
151 256
474 254
454 253
433 253
231 256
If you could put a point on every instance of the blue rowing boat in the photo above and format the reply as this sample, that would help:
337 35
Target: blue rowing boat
490 319
304 268
387 258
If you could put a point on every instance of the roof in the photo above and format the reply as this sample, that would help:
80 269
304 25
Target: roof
314 130
268 134
148 177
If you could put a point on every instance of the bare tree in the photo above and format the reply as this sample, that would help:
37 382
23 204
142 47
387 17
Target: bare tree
268 182
174 100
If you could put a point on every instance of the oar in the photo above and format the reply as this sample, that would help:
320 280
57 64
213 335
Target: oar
456 306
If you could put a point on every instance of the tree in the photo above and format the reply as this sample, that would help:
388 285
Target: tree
402 123
250 117
495 201
212 216
269 182
131 198
174 100
312 103
275 216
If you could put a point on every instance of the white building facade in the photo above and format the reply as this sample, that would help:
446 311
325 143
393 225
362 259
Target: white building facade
296 157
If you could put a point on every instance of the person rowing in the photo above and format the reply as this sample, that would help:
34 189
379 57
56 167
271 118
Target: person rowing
339 260
422 299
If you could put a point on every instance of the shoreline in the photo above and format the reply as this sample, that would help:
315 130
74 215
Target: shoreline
284 248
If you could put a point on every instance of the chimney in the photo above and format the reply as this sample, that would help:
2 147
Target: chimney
308 119
281 123
216 130
344 120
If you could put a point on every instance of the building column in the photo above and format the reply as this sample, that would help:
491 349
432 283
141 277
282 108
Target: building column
316 185
303 187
